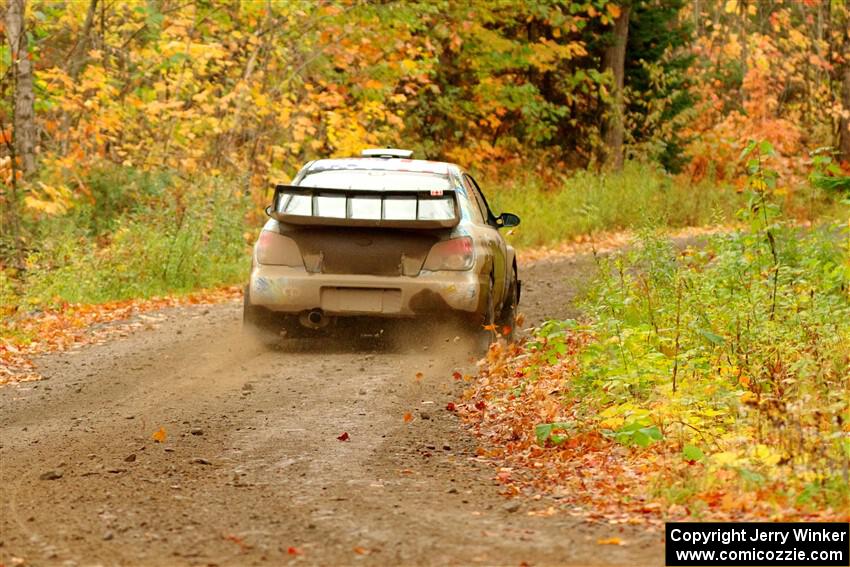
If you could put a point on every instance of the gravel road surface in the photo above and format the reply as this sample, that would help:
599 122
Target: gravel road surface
251 471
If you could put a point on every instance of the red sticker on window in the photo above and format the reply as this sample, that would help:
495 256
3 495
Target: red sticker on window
436 192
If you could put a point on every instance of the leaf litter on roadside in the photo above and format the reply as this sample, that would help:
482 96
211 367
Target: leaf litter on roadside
27 335
521 409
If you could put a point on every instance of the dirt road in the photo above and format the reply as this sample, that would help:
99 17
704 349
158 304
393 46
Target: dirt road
251 471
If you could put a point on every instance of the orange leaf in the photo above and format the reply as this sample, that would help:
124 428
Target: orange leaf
293 551
610 541
344 436
419 376
361 550
160 435
613 9
238 541
408 417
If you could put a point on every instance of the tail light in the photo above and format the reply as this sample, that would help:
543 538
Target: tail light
455 254
274 249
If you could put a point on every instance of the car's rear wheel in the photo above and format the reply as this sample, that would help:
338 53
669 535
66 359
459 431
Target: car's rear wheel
507 317
483 335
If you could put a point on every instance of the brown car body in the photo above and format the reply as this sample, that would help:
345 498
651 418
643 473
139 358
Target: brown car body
356 238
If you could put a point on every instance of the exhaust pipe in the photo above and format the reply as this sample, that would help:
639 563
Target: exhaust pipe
314 319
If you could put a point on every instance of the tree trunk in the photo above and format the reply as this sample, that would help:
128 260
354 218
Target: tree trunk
844 121
77 58
24 118
76 62
614 59
697 15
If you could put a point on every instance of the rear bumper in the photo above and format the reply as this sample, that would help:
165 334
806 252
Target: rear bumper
293 290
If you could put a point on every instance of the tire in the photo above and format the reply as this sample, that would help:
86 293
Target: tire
507 316
256 324
484 337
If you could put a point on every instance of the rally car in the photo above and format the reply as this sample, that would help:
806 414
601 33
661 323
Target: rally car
381 237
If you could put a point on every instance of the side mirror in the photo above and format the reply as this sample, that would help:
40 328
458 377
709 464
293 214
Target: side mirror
268 211
506 220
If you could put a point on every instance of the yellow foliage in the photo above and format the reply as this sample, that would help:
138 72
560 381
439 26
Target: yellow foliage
50 200
725 458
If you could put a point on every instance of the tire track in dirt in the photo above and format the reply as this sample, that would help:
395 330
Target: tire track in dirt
252 467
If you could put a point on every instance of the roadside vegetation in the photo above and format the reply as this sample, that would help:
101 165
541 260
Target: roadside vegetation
139 235
711 381
588 202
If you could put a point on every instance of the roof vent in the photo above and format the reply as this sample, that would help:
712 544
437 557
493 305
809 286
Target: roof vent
386 153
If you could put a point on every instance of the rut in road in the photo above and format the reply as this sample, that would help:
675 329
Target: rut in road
251 471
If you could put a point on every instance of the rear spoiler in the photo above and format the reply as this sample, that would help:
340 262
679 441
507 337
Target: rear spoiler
316 206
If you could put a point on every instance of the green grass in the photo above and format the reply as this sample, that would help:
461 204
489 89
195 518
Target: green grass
586 202
148 236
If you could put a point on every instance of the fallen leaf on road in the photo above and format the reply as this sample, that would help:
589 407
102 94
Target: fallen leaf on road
361 550
457 375
610 541
419 376
293 551
238 541
550 511
160 435
451 406
408 417
344 436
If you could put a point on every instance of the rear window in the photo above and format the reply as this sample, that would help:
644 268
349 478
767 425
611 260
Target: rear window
376 180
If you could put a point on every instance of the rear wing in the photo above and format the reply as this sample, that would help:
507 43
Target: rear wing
316 206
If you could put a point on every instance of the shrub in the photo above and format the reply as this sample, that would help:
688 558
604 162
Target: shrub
163 235
739 352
